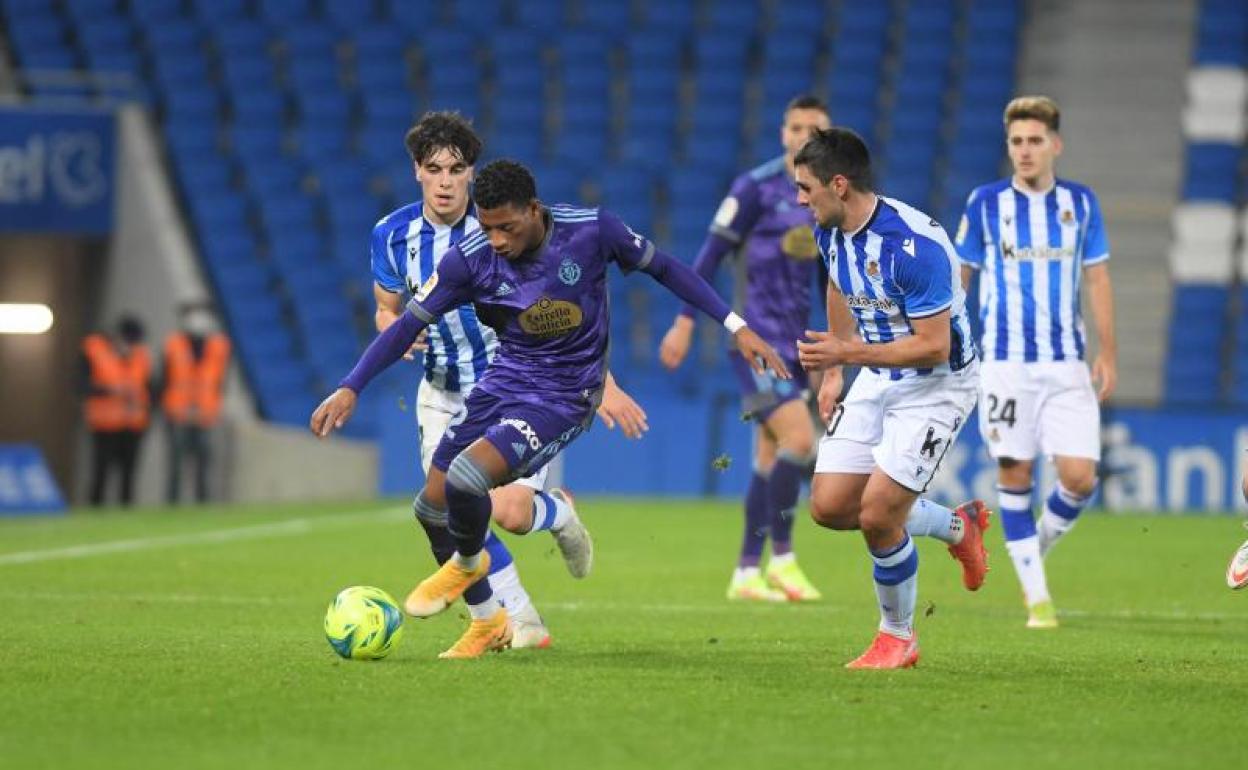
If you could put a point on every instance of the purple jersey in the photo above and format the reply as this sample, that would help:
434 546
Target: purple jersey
773 235
549 308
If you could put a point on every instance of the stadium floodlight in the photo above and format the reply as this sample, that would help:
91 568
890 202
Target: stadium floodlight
24 318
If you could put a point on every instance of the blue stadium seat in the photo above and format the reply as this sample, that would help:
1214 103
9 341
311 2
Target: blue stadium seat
790 50
115 62
258 107
865 20
174 36
655 50
516 49
106 34
37 33
541 14
284 213
930 18
380 42
741 17
676 15
201 104
189 70
58 58
241 37
712 86
329 106
382 76
586 80
390 109
579 46
273 177
610 16
223 212
653 87
800 16
1212 172
721 50
993 53
351 16
281 13
521 83
257 144
220 10
90 10
316 141
313 75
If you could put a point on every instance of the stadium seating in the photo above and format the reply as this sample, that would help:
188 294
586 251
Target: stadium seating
283 121
1209 254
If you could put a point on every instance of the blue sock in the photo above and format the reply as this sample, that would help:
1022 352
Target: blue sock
757 521
784 486
1065 504
546 512
500 557
896 576
1017 521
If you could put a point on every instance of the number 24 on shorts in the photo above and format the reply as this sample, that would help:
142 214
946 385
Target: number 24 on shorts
1001 410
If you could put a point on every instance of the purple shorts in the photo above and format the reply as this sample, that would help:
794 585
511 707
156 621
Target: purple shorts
762 394
527 434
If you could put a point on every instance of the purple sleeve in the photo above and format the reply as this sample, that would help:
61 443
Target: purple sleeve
713 251
680 279
388 347
739 211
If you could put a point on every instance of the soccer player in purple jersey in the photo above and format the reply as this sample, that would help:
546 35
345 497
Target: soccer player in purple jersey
761 221
896 309
407 246
537 275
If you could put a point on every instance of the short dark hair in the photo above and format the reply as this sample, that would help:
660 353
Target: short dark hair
837 151
806 102
504 182
443 130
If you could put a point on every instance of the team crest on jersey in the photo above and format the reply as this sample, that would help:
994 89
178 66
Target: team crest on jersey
799 243
548 318
426 287
569 271
1068 217
873 269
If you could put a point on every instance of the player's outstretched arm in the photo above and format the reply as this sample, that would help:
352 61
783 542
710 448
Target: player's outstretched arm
389 308
677 340
619 408
388 347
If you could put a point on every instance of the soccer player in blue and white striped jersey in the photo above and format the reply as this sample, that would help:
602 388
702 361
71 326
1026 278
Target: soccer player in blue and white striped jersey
895 308
407 246
1034 239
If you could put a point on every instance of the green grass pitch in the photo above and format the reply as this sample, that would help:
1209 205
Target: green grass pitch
192 639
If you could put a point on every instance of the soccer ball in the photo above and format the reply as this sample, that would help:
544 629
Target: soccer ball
363 623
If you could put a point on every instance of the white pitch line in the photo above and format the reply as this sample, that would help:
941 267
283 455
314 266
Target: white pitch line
232 534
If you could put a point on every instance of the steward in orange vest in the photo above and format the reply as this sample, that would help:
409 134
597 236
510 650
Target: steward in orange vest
196 359
193 384
117 405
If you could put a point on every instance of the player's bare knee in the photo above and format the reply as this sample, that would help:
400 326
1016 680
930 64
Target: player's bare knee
512 508
833 511
1079 480
876 522
1014 474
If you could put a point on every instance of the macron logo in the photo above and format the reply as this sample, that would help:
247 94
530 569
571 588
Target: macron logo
908 246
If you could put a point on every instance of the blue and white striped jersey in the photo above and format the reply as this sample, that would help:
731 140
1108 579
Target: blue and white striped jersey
897 267
406 250
1030 249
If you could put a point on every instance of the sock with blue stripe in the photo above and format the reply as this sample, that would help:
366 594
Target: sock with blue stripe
897 587
505 578
929 519
549 513
1060 512
1022 543
784 486
757 522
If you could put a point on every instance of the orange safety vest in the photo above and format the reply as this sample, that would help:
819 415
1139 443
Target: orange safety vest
193 388
126 405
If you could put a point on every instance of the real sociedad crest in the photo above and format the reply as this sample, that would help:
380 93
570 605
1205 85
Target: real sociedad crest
569 271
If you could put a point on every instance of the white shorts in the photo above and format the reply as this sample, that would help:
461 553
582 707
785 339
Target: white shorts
435 409
903 427
1045 407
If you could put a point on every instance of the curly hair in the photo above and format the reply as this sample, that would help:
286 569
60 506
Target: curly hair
504 182
443 130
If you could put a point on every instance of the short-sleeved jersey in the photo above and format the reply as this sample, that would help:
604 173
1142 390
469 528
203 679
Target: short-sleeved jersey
406 250
777 252
898 267
549 308
1030 249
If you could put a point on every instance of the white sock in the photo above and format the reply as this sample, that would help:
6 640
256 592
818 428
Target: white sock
1061 511
1030 568
929 519
507 587
549 512
742 574
485 610
782 560
467 562
897 588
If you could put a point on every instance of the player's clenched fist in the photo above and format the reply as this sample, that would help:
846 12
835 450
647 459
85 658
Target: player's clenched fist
333 412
